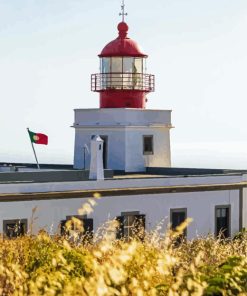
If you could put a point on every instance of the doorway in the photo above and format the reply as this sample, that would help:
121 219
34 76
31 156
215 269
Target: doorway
105 148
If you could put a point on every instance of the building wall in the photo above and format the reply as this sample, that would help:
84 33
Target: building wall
135 160
244 211
124 182
41 176
121 116
115 146
125 129
200 206
125 147
244 204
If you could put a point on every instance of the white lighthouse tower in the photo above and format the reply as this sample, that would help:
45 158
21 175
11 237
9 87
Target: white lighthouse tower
134 137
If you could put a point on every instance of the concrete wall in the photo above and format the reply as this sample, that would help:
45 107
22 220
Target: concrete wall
118 183
48 176
200 206
121 116
135 160
174 171
115 146
244 211
125 129
244 204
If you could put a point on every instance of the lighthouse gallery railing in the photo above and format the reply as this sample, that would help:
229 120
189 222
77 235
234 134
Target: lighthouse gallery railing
122 81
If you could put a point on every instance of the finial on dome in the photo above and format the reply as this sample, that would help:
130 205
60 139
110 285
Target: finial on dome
123 13
122 30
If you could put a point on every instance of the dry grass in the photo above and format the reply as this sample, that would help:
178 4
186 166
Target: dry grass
44 265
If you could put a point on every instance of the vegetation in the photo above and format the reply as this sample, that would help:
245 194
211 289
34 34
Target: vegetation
158 265
45 265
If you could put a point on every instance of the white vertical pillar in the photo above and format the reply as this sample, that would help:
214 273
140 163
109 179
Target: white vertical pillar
96 163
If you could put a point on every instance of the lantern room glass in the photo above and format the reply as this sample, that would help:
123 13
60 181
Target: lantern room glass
138 65
105 65
128 65
122 72
122 65
116 65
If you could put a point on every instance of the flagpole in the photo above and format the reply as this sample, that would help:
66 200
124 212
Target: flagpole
34 151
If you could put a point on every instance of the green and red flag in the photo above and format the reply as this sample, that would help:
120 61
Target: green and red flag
38 138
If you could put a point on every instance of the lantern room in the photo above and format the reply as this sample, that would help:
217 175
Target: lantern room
122 81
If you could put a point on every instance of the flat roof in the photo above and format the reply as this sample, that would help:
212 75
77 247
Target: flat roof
28 173
43 166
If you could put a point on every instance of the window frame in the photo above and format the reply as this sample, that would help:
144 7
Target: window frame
120 233
143 144
85 220
124 62
16 222
228 206
128 227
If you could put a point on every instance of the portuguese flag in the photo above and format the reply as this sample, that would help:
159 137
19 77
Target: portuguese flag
38 138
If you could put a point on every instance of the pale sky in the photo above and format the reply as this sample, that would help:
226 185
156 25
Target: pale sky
197 50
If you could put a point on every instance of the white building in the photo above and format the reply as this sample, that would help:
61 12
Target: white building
124 132
140 188
210 200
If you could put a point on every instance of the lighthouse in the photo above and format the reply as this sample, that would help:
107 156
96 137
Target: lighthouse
134 137
122 81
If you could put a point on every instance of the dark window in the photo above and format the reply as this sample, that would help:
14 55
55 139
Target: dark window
105 148
147 144
63 230
131 225
222 226
87 223
15 228
178 216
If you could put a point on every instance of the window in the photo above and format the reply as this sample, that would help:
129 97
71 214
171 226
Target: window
87 223
122 73
105 65
105 68
116 65
116 68
128 65
121 64
222 223
138 65
14 228
147 145
131 225
178 216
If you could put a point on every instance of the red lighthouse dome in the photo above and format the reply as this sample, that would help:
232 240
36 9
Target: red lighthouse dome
123 45
122 81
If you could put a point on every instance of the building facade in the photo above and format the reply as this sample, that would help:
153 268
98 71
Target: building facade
214 202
